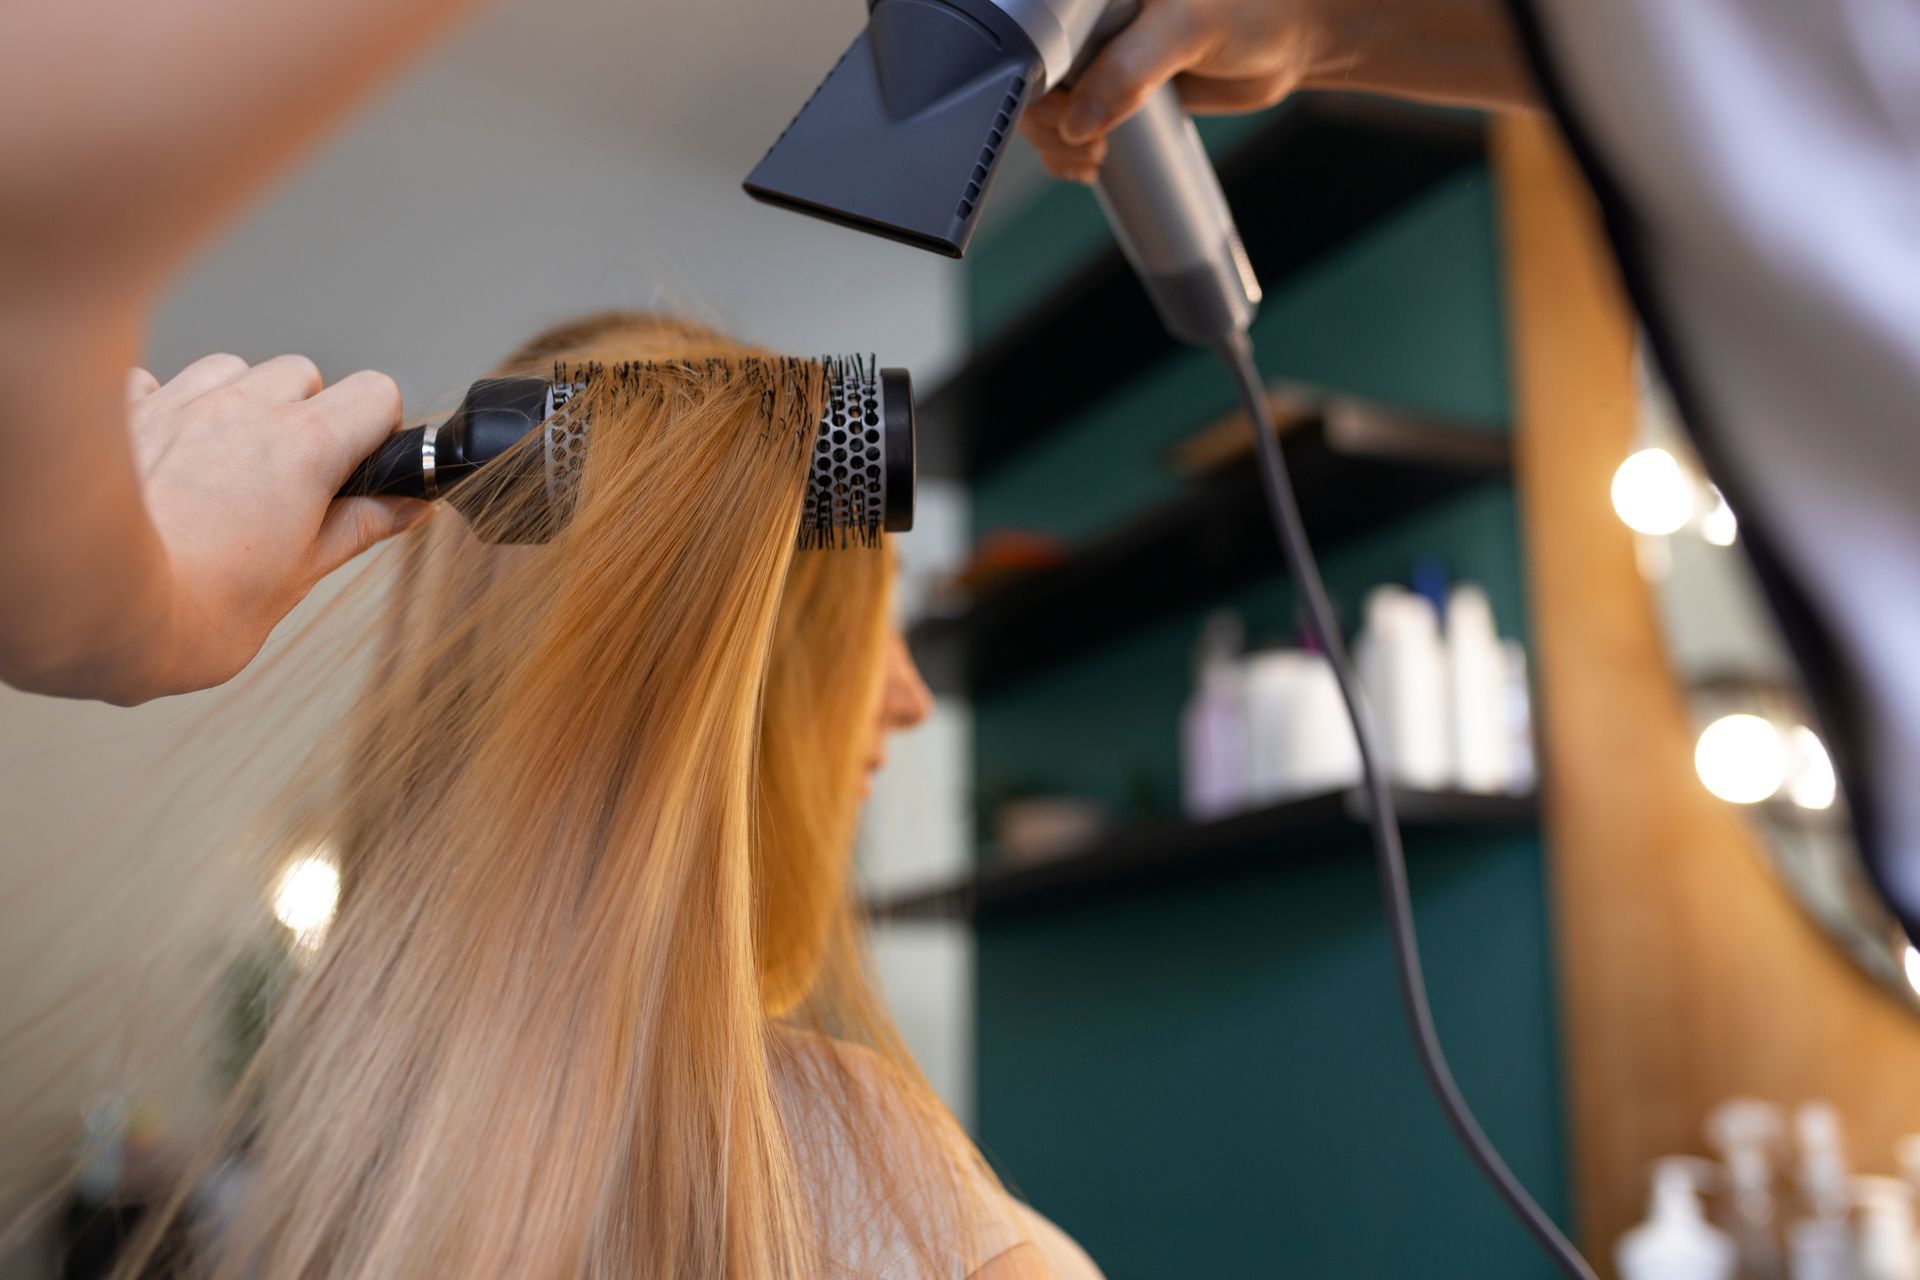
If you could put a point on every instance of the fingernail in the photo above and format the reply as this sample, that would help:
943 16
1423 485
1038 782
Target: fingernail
1083 119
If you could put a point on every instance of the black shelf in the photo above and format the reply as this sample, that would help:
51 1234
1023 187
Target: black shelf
1354 467
1358 158
1167 853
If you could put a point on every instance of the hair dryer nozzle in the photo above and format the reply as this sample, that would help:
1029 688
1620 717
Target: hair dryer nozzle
904 136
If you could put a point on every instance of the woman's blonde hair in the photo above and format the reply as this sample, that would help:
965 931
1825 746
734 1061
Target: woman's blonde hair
594 815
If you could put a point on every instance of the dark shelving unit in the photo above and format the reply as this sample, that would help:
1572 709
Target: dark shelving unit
1361 158
1354 467
1167 853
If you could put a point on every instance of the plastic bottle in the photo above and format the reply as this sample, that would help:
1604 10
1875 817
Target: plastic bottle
1214 743
1820 1241
1886 1246
1907 1151
1302 739
1402 663
1675 1242
1476 680
1746 1133
1517 719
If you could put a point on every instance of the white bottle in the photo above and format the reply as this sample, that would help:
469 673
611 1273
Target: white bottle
1820 1241
1476 682
1517 719
1746 1133
1907 1151
1214 744
1885 1243
1324 751
1302 739
1675 1242
1402 663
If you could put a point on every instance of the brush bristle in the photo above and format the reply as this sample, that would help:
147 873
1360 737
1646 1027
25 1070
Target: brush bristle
845 501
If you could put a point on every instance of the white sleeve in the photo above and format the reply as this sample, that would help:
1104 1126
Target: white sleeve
1758 164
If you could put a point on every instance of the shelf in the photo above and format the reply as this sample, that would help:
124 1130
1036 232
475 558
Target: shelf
1354 466
1360 158
1168 852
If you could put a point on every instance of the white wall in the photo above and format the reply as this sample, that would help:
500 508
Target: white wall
455 220
558 157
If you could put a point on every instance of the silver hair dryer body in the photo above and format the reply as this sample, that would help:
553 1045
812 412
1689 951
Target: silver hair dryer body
904 137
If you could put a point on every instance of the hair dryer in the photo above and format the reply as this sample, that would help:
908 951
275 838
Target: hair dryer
905 135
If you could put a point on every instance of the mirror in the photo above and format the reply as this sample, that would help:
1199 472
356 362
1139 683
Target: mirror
1757 743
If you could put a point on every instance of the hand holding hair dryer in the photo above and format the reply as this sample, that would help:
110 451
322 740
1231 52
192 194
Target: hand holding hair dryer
904 137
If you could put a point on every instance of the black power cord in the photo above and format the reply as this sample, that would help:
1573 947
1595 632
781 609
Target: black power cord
1389 858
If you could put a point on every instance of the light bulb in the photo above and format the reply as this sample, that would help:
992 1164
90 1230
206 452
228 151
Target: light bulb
1719 526
1813 785
1741 759
306 894
1652 493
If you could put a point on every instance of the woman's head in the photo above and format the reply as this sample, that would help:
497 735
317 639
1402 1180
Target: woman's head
594 811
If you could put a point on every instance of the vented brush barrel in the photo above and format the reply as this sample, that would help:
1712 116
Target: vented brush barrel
862 477
861 464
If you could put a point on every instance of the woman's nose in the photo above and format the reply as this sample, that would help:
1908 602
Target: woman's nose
906 700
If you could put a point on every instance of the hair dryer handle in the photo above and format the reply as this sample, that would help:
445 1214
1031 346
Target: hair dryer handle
1163 198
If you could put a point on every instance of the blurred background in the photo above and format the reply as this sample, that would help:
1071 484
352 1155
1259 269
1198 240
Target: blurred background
1126 910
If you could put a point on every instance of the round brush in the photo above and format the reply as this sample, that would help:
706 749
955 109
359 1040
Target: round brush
860 477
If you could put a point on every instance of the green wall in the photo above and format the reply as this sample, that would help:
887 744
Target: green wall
1214 1080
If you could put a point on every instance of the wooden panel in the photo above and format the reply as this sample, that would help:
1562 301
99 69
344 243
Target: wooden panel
1687 974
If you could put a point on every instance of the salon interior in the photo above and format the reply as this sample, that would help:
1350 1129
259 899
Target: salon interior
1125 907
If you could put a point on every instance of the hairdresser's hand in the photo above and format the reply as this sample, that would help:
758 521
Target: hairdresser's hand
1235 56
238 467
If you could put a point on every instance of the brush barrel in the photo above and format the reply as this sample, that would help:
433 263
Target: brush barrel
861 475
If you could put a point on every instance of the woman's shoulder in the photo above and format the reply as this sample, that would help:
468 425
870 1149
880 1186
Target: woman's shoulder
893 1179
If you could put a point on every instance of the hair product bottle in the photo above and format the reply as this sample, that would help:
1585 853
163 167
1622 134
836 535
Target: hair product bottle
1476 671
1214 742
1746 1133
1820 1242
1302 740
1886 1229
1676 1242
1402 663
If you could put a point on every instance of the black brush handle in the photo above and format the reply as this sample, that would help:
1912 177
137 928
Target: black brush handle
392 471
496 414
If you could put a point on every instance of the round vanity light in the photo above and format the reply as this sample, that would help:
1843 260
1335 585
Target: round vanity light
1741 759
1813 784
1719 525
1653 493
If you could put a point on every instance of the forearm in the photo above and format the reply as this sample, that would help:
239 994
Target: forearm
1448 51
129 130
83 574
